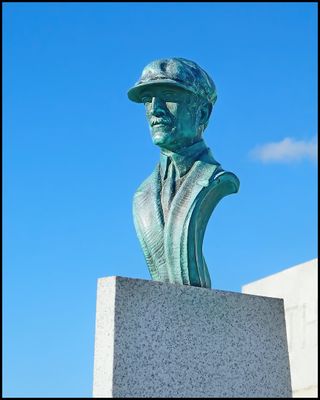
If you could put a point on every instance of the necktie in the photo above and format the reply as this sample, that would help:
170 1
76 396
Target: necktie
168 189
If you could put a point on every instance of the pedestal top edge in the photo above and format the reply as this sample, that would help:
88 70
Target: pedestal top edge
122 279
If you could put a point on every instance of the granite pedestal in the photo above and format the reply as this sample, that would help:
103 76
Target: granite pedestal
163 340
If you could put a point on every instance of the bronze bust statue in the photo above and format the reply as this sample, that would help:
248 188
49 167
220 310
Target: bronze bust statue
172 206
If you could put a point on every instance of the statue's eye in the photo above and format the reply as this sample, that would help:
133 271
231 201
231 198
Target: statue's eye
146 99
170 96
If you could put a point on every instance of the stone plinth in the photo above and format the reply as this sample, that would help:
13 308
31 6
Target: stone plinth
163 340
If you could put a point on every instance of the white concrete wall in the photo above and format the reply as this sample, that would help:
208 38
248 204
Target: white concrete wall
298 286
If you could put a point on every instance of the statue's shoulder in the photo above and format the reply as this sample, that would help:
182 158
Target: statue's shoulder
225 178
218 175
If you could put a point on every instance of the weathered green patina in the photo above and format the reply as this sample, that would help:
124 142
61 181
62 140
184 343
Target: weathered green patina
172 206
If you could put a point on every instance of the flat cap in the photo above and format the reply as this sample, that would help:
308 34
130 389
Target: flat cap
179 72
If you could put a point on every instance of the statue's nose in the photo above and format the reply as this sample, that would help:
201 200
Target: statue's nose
157 107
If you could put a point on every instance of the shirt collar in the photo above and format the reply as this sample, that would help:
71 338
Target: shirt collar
183 160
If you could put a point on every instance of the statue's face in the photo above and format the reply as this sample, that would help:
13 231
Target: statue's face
172 115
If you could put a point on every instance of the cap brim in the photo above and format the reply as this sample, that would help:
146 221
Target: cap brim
134 93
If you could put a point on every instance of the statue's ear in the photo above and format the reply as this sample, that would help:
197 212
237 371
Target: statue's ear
206 110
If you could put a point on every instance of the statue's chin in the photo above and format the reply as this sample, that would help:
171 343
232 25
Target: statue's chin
158 140
161 137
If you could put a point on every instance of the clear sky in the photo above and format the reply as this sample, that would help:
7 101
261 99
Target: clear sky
75 149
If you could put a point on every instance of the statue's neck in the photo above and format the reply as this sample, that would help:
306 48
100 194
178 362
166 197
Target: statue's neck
183 149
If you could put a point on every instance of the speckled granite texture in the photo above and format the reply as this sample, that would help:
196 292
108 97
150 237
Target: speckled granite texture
156 339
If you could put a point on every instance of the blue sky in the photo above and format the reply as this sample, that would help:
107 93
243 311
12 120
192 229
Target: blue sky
75 149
